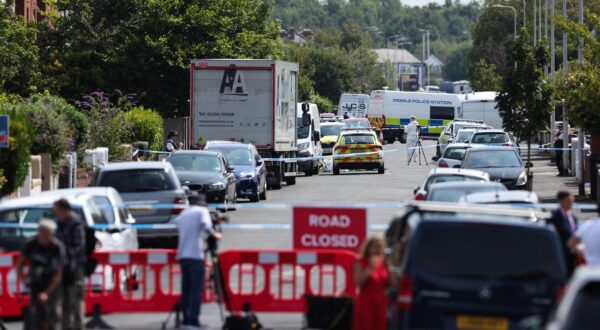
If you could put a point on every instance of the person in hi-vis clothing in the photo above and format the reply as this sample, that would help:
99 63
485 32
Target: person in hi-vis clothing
412 136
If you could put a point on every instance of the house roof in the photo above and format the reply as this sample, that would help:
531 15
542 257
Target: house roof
432 60
395 56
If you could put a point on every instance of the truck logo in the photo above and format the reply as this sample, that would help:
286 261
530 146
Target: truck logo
233 83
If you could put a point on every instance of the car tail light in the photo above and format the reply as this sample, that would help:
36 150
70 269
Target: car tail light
178 206
507 144
268 164
405 292
442 163
560 293
420 197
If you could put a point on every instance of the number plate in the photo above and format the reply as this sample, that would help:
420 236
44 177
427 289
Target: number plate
140 208
467 322
327 151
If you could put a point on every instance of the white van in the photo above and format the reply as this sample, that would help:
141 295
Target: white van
433 110
354 105
481 106
309 139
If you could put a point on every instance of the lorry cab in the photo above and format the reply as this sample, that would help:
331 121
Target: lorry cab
309 139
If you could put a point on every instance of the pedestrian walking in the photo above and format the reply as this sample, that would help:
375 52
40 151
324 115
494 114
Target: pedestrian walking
70 232
172 145
193 224
46 257
371 277
565 223
412 137
558 154
586 242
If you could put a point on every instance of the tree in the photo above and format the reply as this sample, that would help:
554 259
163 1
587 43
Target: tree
14 160
525 97
483 76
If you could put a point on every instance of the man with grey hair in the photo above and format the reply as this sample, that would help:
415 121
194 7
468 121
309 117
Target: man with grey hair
46 257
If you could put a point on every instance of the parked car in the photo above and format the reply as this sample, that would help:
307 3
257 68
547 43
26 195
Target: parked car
503 164
469 267
358 141
448 135
502 197
454 191
438 175
357 123
465 135
206 172
391 133
153 194
579 306
453 155
250 171
493 137
330 132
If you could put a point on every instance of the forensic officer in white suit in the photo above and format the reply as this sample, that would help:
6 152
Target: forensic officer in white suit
412 136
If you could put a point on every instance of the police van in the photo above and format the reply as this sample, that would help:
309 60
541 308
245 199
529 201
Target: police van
433 110
353 105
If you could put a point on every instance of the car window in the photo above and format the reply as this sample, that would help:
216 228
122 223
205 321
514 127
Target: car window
238 156
331 130
488 138
200 163
455 153
480 251
357 124
127 181
106 207
493 158
359 139
303 131
28 215
450 178
584 312
456 193
98 216
464 136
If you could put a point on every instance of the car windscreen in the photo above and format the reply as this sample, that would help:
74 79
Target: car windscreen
200 163
493 158
464 136
454 194
357 124
237 156
359 139
489 138
331 130
140 180
584 312
450 178
303 131
487 251
455 153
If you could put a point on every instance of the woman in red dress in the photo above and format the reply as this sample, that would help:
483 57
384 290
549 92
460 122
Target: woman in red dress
371 277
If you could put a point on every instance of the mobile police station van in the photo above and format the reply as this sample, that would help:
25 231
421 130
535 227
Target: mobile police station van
433 110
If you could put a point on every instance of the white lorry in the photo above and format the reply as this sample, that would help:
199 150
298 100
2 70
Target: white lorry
481 106
309 138
353 105
249 101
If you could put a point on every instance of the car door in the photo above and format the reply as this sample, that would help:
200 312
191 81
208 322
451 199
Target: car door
229 176
261 170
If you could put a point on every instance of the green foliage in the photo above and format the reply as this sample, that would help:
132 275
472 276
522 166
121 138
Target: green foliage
2 179
483 76
324 104
146 125
14 160
525 98
456 61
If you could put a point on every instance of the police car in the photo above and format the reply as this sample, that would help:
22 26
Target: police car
363 148
450 131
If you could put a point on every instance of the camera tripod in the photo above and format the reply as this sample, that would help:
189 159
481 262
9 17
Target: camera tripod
418 147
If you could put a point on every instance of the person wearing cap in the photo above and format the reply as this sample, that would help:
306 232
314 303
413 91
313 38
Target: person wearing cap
46 258
412 136
172 144
558 154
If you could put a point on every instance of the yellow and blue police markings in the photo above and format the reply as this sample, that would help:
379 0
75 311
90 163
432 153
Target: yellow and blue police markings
428 126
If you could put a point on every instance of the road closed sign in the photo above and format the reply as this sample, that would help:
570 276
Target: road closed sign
329 228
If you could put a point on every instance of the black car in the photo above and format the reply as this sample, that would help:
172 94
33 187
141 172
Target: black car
473 271
503 164
206 172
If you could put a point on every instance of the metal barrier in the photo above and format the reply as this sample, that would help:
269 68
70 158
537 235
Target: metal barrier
124 282
277 280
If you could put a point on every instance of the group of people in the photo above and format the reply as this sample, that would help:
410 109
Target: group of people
55 277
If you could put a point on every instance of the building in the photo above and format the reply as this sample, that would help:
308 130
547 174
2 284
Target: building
435 67
407 69
30 10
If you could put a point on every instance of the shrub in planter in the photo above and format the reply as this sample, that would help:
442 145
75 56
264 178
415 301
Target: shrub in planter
146 125
14 160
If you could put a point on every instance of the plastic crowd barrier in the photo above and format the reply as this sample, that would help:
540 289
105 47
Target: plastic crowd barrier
277 280
124 282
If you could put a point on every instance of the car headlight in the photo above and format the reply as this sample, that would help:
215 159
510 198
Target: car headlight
246 175
522 179
217 186
304 146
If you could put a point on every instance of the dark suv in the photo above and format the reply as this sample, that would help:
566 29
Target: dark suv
473 271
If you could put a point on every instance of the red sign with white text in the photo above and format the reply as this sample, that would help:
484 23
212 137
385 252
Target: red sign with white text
329 228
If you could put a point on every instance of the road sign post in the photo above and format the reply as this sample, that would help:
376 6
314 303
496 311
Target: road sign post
4 133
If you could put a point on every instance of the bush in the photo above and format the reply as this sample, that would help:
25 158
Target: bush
14 160
324 104
146 125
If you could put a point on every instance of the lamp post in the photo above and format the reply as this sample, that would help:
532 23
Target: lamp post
566 137
515 20
426 41
580 133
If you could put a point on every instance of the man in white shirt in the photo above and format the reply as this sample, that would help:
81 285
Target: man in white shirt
586 241
193 223
412 136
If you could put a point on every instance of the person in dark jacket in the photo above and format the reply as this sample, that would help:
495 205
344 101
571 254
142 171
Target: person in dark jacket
565 223
70 232
558 143
172 144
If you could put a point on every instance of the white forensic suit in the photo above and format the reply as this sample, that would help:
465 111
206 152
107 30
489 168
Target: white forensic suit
412 136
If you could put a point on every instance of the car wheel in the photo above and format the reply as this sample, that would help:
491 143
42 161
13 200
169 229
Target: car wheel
381 169
391 141
309 171
263 195
290 181
255 198
438 151
336 171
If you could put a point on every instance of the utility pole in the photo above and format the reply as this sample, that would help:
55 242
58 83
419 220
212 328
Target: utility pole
581 133
565 52
534 23
428 55
552 71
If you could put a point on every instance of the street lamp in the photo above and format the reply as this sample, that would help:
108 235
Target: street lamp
426 35
515 14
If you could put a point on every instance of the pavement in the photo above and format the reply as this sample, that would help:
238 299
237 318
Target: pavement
396 185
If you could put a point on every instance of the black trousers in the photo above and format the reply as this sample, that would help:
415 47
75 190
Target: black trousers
558 159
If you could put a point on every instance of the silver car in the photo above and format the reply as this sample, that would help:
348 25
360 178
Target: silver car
454 191
153 194
493 137
453 155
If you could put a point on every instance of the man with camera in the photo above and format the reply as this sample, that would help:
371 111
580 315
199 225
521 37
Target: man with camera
193 224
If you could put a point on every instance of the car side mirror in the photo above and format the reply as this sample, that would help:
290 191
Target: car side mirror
447 133
230 170
186 189
259 162
529 165
316 136
435 158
